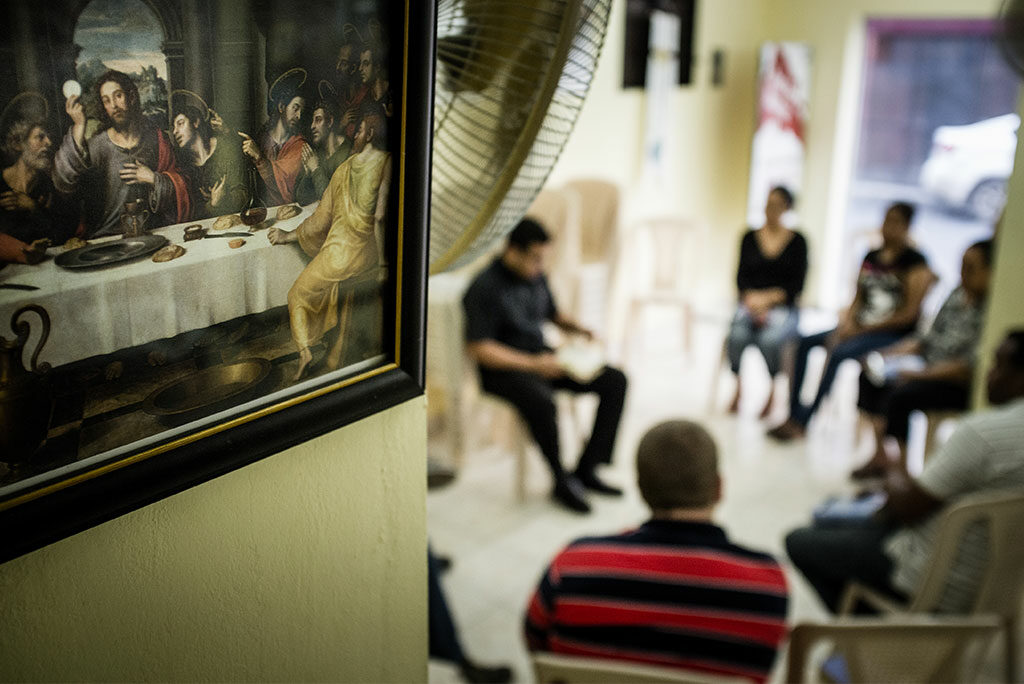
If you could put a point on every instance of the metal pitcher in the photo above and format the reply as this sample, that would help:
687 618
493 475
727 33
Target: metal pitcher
25 399
133 220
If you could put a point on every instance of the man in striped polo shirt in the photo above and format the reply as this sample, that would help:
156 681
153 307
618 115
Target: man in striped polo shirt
891 552
674 592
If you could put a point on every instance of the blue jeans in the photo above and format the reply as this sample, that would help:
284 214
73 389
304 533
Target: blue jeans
769 337
851 348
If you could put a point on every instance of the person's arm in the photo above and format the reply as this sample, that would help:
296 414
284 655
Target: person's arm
848 326
907 502
795 270
537 626
312 232
954 370
909 345
380 210
568 325
762 301
919 279
499 356
960 465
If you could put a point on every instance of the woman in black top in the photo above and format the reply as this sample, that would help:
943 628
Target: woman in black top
893 281
772 268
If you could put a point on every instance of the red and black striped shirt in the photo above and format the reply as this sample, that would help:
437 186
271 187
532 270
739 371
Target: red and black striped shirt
669 593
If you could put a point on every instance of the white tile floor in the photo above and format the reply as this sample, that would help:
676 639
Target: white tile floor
500 546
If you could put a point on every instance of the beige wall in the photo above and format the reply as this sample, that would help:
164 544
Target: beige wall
309 565
715 125
710 143
1005 311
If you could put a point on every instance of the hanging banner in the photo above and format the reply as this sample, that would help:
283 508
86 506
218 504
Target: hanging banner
783 90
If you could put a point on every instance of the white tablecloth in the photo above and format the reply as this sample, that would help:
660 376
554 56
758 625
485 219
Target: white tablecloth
98 311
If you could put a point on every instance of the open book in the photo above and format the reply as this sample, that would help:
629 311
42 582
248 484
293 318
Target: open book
582 361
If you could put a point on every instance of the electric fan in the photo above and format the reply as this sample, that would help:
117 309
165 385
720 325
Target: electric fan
511 79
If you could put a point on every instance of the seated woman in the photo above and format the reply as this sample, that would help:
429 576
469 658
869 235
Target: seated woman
772 268
893 281
945 355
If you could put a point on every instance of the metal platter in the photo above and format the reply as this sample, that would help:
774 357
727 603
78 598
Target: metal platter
207 390
114 252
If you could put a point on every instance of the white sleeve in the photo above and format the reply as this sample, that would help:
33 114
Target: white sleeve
959 466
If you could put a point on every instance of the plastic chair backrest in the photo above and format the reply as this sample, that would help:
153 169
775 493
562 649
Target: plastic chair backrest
558 211
553 668
911 649
669 244
1002 514
599 219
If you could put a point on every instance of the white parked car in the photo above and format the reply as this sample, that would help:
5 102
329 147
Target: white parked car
969 165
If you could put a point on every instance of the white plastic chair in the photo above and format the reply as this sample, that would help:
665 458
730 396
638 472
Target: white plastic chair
552 668
1002 585
915 648
599 252
669 247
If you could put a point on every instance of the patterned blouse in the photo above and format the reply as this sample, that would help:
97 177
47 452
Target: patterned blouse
954 334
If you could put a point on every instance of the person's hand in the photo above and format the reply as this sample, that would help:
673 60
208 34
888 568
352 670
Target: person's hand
309 158
546 365
216 122
585 333
13 200
136 173
215 193
36 251
844 331
250 148
76 110
281 237
757 304
347 118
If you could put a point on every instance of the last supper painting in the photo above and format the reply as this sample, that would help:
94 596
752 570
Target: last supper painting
202 220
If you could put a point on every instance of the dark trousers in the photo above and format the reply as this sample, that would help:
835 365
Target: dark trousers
533 397
442 635
895 401
830 557
852 348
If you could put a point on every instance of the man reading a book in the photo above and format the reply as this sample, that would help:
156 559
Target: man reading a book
506 306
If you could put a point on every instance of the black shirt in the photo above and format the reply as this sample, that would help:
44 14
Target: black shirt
883 285
786 270
503 307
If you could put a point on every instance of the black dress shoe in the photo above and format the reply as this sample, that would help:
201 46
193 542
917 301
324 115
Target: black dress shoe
595 484
481 674
570 493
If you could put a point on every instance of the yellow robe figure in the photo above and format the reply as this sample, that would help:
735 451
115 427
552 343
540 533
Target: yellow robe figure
341 236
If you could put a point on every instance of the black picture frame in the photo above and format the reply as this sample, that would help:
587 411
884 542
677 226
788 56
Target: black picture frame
77 499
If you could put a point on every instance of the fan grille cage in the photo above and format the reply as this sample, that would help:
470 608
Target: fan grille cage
511 81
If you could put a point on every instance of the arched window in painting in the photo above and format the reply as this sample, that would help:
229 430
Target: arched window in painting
124 35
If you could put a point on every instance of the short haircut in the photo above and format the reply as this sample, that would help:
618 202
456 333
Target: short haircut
1017 357
330 110
785 194
372 114
17 134
677 466
984 248
905 210
526 233
127 85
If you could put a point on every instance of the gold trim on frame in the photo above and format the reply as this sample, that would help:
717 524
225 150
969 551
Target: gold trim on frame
293 401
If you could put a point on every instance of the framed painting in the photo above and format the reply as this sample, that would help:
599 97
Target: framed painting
213 219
